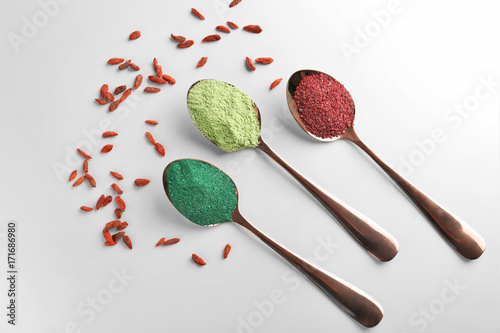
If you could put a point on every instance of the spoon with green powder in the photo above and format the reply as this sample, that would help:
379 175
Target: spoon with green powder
323 108
230 119
207 196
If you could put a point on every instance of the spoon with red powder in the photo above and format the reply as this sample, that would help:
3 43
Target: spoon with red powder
323 107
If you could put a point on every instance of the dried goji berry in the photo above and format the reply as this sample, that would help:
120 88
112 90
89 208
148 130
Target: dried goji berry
113 106
160 242
121 204
116 188
90 180
197 14
120 89
250 64
264 61
275 83
115 61
160 149
234 3
118 213
125 65
116 175
109 96
73 175
232 25
135 67
168 78
84 154
122 225
127 241
101 101
211 38
226 251
198 260
109 134
138 81
151 122
125 95
151 90
79 181
140 182
253 28
222 28
185 44
85 166
118 236
179 39
86 209
106 148
171 241
107 201
156 79
134 35
100 202
151 138
202 62
103 91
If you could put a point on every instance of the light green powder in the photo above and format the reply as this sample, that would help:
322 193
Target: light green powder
224 114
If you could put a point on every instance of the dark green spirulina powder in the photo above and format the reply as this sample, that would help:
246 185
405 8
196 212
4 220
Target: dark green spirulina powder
201 192
224 114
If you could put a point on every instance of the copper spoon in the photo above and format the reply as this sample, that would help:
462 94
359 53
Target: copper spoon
351 300
369 235
465 240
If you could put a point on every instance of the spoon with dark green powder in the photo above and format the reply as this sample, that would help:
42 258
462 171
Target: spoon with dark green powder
207 196
230 119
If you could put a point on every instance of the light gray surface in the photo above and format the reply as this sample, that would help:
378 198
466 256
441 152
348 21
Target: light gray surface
428 58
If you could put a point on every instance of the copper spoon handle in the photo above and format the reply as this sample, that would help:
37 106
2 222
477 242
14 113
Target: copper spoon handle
371 236
459 234
351 300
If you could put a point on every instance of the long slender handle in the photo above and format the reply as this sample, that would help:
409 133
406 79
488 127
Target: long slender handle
351 300
371 236
459 234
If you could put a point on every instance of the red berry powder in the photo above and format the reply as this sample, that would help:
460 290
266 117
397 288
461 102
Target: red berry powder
325 106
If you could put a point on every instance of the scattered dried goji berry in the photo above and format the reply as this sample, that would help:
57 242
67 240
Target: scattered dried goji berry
109 96
120 89
151 90
109 134
179 39
250 64
211 38
115 61
160 149
118 236
90 180
198 260
85 166
185 44
135 67
202 62
103 91
171 241
197 14
116 188
232 25
264 61
160 242
275 83
113 106
138 81
253 28
116 175
156 79
127 241
140 182
134 35
106 148
151 122
79 181
72 175
101 101
121 204
86 209
234 3
168 78
222 28
125 65
151 138
107 201
122 225
118 213
226 250
100 202
84 154
125 95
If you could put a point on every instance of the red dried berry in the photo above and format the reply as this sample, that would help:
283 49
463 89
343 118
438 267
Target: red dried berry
179 39
197 14
79 181
122 225
226 250
151 138
116 188
250 64
85 166
168 78
275 83
135 67
101 101
108 238
151 90
116 175
222 28
115 61
264 61
121 204
151 122
106 148
84 154
109 134
125 65
100 202
160 149
140 182
253 28
202 62
138 81
107 201
125 95
127 241
120 89
160 242
103 91
86 209
171 241
113 106
156 79
186 44
234 3
90 180
135 35
118 236
198 260
72 175
118 213
110 97
232 25
110 244
211 38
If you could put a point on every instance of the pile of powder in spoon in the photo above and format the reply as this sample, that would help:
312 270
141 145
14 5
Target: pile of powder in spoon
324 105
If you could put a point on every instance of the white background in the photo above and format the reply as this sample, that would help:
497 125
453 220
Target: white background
428 58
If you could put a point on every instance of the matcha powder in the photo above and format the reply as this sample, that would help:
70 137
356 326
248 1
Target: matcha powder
224 114
201 192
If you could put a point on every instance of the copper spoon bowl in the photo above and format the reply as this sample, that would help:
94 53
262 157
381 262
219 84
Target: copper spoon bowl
351 300
367 233
465 240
